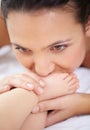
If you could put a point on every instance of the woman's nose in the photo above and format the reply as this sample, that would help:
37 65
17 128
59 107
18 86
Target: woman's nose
44 68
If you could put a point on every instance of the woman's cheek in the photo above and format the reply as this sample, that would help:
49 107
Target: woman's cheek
21 59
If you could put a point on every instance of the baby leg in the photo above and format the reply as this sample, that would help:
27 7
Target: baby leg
15 106
35 121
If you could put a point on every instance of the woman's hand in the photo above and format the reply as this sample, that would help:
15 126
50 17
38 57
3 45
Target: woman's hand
28 80
65 107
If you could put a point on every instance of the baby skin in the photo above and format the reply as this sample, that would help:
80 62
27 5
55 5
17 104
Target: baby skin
21 102
56 85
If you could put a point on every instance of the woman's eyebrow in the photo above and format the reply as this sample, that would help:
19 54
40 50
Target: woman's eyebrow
15 44
59 42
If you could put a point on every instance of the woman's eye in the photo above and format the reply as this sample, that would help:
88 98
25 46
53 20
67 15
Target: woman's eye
21 49
58 48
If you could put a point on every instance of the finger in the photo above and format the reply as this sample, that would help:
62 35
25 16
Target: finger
74 88
37 87
73 81
56 117
69 78
36 77
52 119
26 83
4 88
64 75
47 105
4 85
75 77
20 81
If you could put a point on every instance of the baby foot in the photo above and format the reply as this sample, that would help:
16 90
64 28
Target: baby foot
59 84
71 83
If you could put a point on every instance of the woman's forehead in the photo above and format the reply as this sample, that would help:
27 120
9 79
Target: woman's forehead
45 18
48 28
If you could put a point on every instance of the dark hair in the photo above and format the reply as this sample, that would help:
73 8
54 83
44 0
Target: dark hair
82 7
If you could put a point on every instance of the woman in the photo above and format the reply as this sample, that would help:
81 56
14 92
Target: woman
19 36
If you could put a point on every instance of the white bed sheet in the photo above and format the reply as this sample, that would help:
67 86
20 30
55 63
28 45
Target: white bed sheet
9 65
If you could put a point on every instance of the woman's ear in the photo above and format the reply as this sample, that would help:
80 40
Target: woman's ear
87 28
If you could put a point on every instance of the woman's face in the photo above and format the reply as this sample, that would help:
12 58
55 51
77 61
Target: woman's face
48 41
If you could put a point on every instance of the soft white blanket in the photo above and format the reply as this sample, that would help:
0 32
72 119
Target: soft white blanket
9 65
